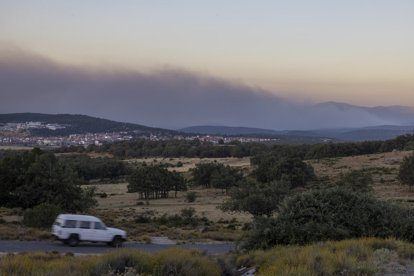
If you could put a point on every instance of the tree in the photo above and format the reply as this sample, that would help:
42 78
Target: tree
225 177
52 180
155 182
292 168
406 173
97 168
36 177
202 173
256 198
215 175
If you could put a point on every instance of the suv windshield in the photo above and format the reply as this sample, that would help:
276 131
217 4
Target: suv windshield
100 225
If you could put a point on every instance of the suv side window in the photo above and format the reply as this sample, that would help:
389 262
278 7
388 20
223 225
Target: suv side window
85 225
70 224
98 225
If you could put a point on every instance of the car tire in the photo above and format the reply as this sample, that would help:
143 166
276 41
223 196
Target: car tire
117 242
73 240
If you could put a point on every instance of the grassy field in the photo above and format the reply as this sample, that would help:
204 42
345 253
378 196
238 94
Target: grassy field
120 262
126 210
367 256
15 148
184 164
384 168
205 204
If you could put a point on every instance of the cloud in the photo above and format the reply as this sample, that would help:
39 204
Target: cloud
168 97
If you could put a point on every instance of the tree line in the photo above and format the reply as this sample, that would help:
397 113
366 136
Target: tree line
98 168
171 148
194 148
36 177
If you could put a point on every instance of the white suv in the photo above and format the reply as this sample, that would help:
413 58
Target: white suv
71 229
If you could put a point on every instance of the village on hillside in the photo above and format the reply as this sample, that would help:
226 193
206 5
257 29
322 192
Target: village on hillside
18 134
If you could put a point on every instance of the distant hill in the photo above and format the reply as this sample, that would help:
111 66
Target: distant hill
368 133
393 115
79 124
228 130
308 136
284 137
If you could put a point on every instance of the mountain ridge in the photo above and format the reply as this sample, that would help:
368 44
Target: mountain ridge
79 124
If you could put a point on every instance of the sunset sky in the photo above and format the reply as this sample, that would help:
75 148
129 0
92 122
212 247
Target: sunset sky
355 51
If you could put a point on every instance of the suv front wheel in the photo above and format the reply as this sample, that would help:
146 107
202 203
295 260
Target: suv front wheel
117 241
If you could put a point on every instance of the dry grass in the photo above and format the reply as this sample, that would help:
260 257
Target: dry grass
11 231
189 163
366 256
384 168
15 148
217 226
205 204
120 262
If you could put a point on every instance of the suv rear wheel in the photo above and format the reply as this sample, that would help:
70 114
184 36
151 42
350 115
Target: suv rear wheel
73 240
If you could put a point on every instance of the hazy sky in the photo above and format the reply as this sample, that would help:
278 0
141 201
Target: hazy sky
356 51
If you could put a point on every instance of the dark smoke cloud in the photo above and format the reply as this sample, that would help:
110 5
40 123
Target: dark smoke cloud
168 97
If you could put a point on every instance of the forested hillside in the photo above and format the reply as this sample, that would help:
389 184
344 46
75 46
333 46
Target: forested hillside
77 124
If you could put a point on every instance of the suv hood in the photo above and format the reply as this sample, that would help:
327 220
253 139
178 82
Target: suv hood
116 231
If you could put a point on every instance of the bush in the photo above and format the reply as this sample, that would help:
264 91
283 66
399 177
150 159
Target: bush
406 172
331 214
102 195
176 261
41 216
187 217
188 213
119 261
191 196
258 199
356 180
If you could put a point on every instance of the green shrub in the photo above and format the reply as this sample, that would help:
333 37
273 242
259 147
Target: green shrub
191 196
41 216
356 180
331 214
406 172
187 217
258 199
